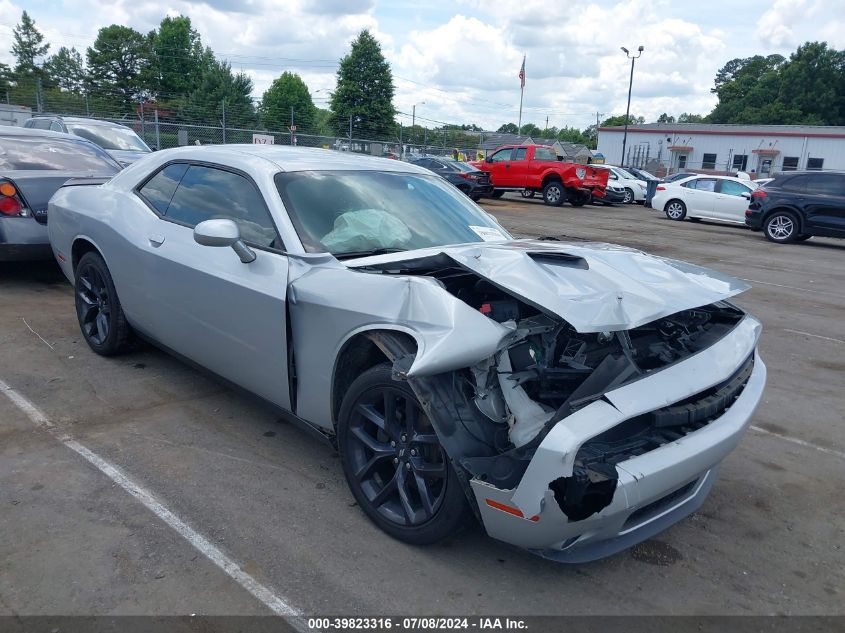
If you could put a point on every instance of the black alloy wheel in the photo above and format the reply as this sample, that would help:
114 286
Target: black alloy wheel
98 308
393 461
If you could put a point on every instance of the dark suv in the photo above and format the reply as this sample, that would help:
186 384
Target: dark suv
798 205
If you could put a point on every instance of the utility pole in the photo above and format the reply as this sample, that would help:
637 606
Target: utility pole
224 121
401 147
633 58
87 109
547 126
39 103
350 132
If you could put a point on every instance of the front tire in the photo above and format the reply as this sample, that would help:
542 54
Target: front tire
675 210
781 227
629 196
553 193
98 308
394 464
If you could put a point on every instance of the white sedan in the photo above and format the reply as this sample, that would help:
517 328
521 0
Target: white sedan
633 187
721 198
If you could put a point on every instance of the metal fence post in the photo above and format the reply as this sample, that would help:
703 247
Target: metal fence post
158 136
143 126
224 121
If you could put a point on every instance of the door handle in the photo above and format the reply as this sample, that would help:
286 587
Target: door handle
156 240
507 165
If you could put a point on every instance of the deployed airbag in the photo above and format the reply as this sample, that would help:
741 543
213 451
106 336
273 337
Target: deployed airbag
366 229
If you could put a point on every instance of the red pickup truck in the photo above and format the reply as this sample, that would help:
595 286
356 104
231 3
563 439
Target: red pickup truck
536 168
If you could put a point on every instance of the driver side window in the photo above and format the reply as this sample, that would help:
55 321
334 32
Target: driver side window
204 193
501 156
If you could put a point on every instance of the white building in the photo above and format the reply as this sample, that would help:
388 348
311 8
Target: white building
719 148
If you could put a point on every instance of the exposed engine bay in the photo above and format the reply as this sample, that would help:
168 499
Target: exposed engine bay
548 370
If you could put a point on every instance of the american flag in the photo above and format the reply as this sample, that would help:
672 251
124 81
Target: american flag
522 74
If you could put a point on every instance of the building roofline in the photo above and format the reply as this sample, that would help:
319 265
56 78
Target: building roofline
727 129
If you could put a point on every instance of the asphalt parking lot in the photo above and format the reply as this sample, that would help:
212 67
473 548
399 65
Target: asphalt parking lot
769 540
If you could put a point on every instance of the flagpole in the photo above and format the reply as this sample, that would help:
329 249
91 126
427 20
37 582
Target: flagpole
521 92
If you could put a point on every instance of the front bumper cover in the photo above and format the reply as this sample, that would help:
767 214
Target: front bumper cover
654 490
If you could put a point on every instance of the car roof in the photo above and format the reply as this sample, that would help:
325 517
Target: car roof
806 172
289 158
28 131
79 119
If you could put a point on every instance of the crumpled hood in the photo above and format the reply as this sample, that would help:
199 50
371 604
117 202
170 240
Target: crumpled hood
595 287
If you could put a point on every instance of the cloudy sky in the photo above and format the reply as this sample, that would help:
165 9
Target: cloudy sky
458 60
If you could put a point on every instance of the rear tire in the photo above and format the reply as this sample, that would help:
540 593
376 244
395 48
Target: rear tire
475 197
98 308
554 193
675 210
527 193
781 227
395 467
579 199
498 193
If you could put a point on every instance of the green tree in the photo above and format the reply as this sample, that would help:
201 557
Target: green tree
5 77
27 47
813 83
66 70
219 84
508 128
618 121
529 129
665 118
745 86
287 93
179 59
573 135
691 118
364 90
120 64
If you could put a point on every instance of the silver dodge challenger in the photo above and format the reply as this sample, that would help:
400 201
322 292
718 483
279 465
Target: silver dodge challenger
574 397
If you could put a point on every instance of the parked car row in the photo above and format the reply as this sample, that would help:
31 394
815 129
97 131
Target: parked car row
792 206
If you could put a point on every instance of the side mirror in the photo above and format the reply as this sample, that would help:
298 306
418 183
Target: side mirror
223 233
489 159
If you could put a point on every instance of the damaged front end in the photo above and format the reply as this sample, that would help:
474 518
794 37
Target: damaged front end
557 415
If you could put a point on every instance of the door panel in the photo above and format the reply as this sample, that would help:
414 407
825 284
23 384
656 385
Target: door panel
498 167
517 172
728 201
203 302
825 203
223 314
699 197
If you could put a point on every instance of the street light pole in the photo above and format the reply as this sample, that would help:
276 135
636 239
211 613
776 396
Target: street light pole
414 119
633 58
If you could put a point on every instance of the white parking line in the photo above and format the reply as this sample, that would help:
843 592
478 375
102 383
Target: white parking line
769 283
276 603
824 338
795 440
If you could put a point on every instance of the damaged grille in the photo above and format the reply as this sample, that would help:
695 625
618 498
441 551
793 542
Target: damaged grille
594 476
654 429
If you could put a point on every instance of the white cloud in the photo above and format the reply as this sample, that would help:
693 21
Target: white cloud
459 59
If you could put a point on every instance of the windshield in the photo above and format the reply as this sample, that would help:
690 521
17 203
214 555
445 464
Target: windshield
356 212
109 137
51 153
625 174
